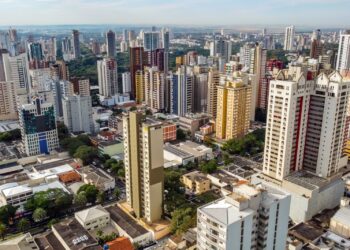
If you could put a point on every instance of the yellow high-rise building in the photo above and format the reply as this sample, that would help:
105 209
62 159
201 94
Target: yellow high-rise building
233 109
140 86
144 171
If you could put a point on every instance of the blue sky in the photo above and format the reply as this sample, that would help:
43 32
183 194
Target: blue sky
313 13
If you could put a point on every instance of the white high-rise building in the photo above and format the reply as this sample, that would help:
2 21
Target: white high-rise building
77 113
8 106
247 218
245 54
37 120
343 60
289 38
40 78
17 71
154 81
305 124
126 81
107 77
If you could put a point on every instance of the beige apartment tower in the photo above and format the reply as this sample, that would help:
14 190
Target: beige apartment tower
8 106
213 82
144 172
233 109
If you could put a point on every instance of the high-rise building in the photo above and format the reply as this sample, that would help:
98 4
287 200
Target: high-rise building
289 38
8 106
144 172
38 123
200 93
247 218
3 55
77 113
95 47
154 82
233 108
316 45
305 124
343 60
76 43
126 81
107 77
110 41
245 54
151 40
222 48
140 86
138 59
59 71
40 78
35 51
80 86
213 83
182 91
17 71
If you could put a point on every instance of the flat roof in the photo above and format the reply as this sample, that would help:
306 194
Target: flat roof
53 164
306 180
19 177
306 232
74 235
342 216
177 151
127 223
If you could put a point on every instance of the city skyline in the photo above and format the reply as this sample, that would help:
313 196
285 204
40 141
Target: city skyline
180 12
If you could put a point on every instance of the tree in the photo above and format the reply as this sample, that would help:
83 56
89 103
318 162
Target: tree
23 224
116 192
7 213
174 191
90 191
209 166
180 134
86 153
2 230
182 219
133 108
101 197
52 222
62 131
10 135
148 112
80 199
39 214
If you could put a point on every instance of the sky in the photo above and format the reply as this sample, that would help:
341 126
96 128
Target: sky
306 13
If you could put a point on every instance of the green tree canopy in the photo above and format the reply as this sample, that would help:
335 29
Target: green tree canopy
39 214
86 153
90 191
23 225
182 220
80 198
208 167
7 213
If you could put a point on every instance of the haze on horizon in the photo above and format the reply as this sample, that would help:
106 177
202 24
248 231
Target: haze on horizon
316 13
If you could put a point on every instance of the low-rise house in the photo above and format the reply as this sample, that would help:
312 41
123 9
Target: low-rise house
128 226
93 218
73 236
22 242
196 182
120 243
340 222
98 178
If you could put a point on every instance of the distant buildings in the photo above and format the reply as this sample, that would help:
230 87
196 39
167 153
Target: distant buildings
143 142
316 45
289 38
343 61
247 218
76 43
77 113
154 84
8 105
213 82
126 82
110 41
107 77
38 125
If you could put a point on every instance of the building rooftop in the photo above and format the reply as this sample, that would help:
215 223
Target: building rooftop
19 177
225 212
128 224
120 243
196 176
15 190
91 213
306 180
177 151
193 148
57 170
95 175
48 241
17 243
342 216
306 232
74 235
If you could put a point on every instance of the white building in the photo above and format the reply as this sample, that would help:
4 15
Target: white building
306 125
107 77
40 78
77 113
126 80
93 218
154 84
343 60
37 119
289 38
17 70
248 218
